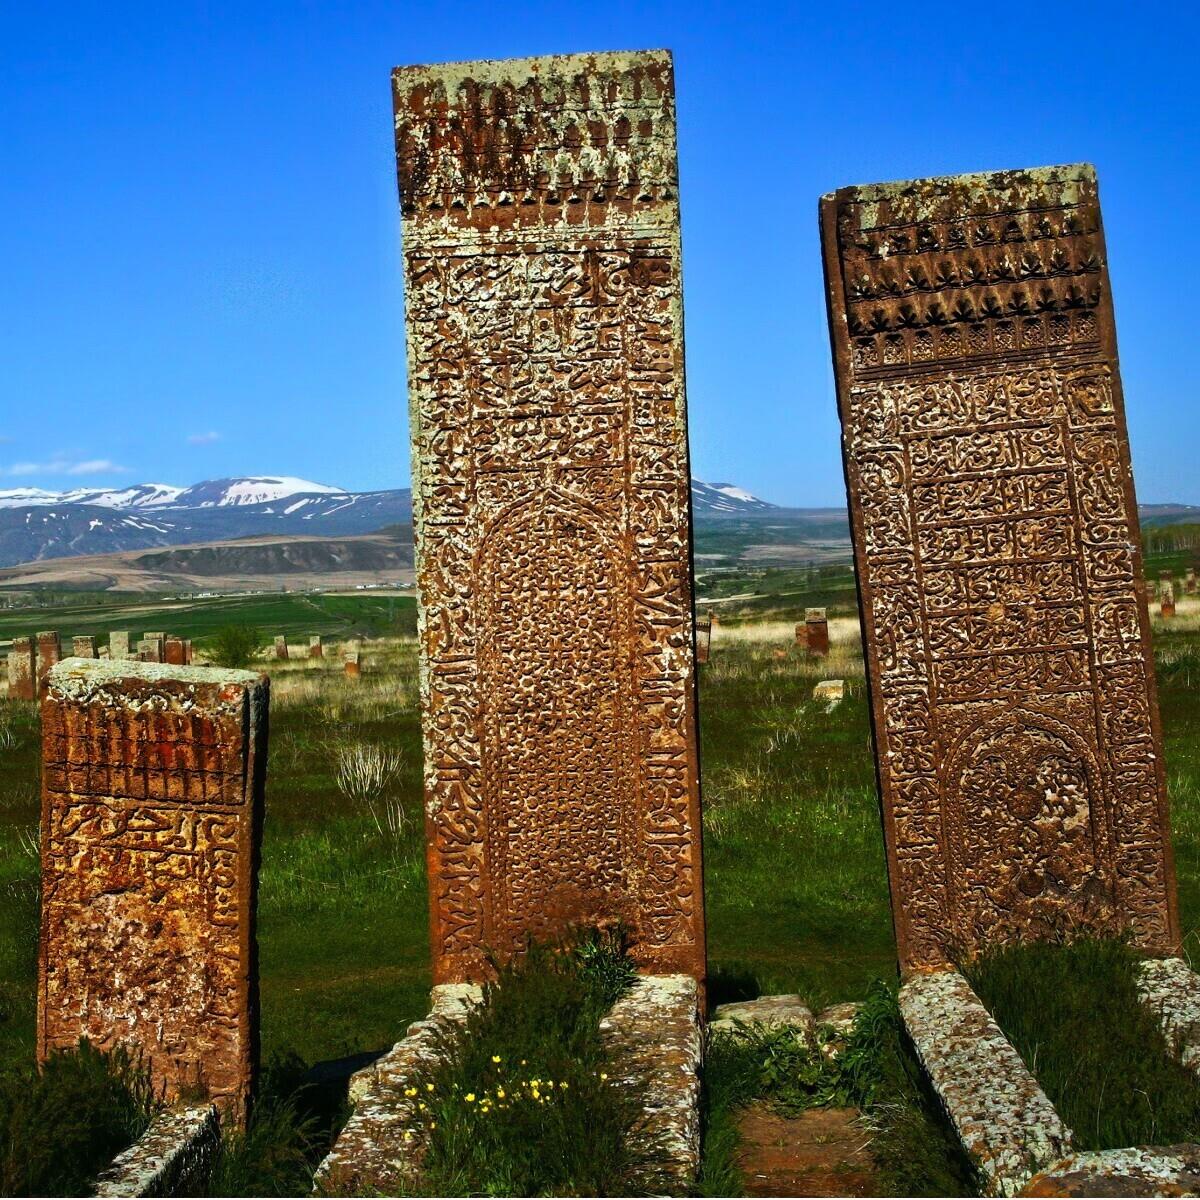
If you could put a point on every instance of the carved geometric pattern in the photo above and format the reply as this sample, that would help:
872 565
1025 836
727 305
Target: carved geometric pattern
552 504
998 555
152 792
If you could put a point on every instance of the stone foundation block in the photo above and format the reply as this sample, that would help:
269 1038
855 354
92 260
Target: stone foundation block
1005 1121
172 1158
1171 989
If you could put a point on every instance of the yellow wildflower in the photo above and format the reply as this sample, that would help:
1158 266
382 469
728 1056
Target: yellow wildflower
500 1093
470 1097
603 1074
429 1087
495 1058
563 1084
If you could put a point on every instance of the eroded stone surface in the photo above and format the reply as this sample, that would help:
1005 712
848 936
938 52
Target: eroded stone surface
1003 1118
703 638
152 780
22 669
789 1010
656 1039
998 556
83 646
1171 990
49 651
1137 1171
814 637
379 1149
551 503
172 1158
118 644
830 691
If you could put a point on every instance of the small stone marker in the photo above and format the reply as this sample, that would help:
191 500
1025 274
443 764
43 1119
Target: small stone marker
551 502
158 643
152 782
703 639
351 659
22 669
118 644
1167 606
1189 582
187 651
281 647
998 557
147 650
83 646
315 648
816 632
175 652
831 691
49 651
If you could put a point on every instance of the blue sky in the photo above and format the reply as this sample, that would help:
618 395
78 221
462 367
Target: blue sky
199 236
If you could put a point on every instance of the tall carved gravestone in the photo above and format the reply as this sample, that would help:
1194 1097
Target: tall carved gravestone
997 547
542 263
49 651
152 781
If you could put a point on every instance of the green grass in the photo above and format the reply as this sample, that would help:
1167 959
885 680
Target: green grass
62 1125
1072 1013
875 1070
521 1102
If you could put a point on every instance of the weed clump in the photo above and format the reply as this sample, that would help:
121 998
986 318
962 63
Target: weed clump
62 1125
1071 1010
521 1102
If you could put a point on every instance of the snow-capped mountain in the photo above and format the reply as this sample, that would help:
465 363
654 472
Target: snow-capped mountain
36 524
250 489
723 498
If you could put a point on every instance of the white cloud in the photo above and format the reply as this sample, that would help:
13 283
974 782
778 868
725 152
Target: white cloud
65 466
203 439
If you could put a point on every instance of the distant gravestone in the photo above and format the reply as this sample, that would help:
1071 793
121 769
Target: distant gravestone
351 660
83 647
816 632
49 651
22 669
703 639
153 647
175 651
998 555
541 241
281 647
118 644
315 648
1167 604
1189 582
151 803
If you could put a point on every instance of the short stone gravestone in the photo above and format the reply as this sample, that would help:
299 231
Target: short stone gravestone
83 647
152 781
22 669
703 639
1189 582
49 651
118 644
281 647
816 632
1167 604
351 660
175 651
551 496
315 648
998 555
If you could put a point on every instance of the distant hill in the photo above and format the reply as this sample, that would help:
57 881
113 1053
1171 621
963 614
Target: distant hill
36 525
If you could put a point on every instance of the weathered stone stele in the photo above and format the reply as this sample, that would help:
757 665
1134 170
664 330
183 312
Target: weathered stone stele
49 651
22 669
542 265
83 646
152 780
118 644
998 556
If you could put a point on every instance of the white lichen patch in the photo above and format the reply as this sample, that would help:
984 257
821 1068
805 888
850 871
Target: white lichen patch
656 1040
173 1157
1136 1171
1171 990
1004 1120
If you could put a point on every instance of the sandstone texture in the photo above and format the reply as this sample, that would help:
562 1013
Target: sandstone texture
1138 1171
152 781
1171 990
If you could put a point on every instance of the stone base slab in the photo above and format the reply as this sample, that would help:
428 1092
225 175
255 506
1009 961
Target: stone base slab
1004 1120
1171 990
787 1011
1139 1171
172 1158
655 1034
379 1148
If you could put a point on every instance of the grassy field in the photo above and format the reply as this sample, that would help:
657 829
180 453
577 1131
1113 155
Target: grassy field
796 884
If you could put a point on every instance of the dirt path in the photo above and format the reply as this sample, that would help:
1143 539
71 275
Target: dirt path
821 1152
